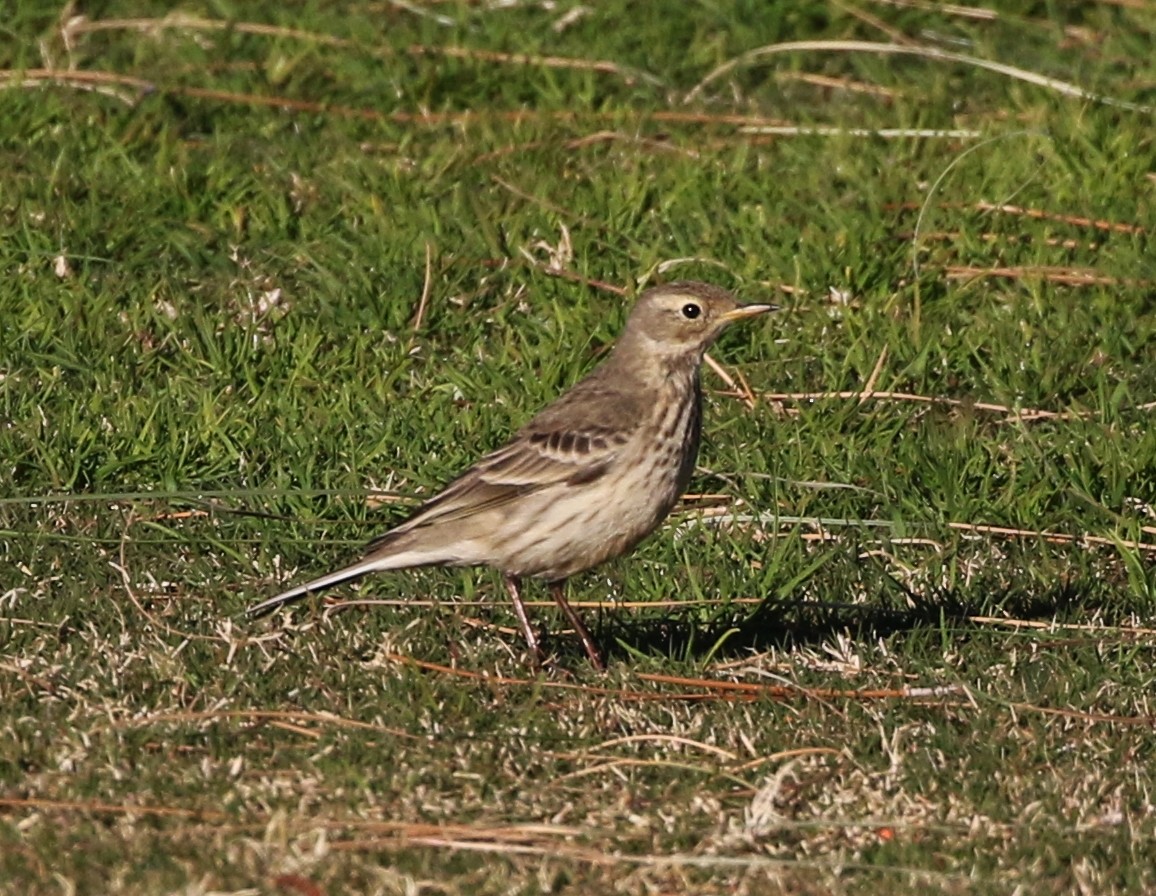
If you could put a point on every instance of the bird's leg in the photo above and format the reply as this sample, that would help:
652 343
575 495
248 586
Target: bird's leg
592 650
511 584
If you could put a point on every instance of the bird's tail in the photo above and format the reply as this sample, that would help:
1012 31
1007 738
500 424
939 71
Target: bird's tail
356 571
350 573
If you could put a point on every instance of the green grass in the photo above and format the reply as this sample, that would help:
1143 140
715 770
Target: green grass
208 362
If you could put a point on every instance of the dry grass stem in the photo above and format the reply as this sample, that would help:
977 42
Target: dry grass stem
934 53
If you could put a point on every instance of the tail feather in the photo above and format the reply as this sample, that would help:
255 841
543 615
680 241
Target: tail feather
348 574
296 593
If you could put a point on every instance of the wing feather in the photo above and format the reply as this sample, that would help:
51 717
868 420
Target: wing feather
574 441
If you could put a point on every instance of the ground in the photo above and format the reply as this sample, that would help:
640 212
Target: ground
274 273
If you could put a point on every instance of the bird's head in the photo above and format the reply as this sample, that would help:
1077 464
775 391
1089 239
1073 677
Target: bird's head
677 323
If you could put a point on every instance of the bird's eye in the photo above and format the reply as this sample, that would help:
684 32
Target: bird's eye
690 310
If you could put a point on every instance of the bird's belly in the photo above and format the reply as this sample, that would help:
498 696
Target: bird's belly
570 529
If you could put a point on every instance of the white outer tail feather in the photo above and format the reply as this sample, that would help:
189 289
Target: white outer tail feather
348 574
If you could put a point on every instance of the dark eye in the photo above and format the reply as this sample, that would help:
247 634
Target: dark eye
690 310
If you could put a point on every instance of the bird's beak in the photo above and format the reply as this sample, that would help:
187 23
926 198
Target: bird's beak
744 311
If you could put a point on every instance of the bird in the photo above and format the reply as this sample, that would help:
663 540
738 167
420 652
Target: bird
585 480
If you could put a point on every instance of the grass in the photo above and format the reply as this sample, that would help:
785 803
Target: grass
905 646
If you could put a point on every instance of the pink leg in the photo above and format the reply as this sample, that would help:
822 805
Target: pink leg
592 651
523 619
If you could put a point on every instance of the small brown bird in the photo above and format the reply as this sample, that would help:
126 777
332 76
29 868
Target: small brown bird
587 478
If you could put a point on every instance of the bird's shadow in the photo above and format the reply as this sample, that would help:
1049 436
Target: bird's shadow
790 624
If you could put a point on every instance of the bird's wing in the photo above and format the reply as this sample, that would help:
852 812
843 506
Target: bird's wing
537 458
573 441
